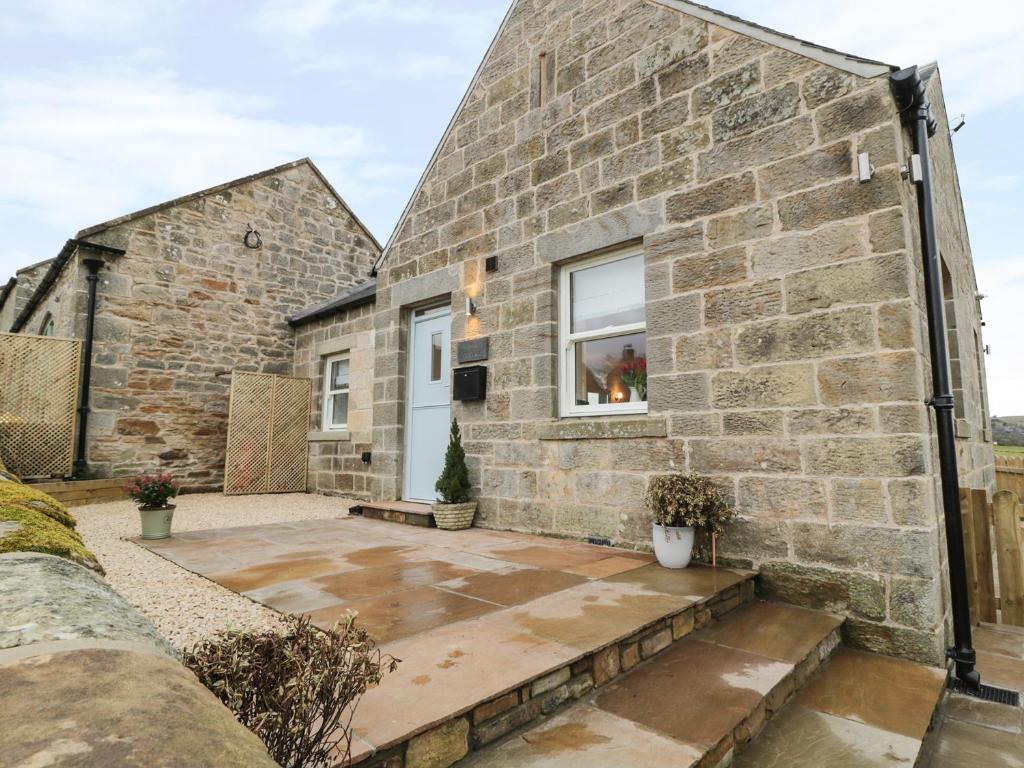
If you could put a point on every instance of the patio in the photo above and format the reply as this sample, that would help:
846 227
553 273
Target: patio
476 616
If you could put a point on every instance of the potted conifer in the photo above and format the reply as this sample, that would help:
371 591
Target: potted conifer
681 504
152 493
455 511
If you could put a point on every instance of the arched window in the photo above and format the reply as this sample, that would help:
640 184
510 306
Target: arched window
47 327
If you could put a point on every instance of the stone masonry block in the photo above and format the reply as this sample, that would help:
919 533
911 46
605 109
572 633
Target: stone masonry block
842 200
765 387
881 378
783 255
896 456
712 198
723 267
859 282
818 335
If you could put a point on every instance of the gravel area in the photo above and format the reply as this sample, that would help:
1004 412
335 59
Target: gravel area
183 606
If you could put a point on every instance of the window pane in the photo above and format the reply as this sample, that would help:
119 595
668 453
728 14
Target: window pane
435 356
339 378
608 294
610 371
339 409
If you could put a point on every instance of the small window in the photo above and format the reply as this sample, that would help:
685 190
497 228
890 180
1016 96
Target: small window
435 356
603 332
48 327
336 369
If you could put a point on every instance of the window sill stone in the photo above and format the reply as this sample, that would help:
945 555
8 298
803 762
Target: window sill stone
329 437
603 427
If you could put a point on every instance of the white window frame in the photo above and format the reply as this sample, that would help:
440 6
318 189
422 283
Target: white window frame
567 341
327 403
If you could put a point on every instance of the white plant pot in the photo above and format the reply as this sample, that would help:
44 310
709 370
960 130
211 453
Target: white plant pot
675 549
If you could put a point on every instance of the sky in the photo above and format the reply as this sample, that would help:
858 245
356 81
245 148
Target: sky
108 106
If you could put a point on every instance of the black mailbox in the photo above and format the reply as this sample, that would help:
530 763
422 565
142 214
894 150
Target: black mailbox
471 382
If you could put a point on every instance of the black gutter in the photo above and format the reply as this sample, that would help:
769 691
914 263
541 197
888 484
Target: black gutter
93 265
912 100
53 273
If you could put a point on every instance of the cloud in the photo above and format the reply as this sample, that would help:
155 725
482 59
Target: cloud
1002 281
95 145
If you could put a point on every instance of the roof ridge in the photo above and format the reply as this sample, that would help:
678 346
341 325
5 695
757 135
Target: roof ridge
88 231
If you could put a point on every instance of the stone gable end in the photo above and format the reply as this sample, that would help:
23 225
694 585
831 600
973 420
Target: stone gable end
785 354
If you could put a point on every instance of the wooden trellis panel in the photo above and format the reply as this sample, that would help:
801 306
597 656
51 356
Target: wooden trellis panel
38 402
268 422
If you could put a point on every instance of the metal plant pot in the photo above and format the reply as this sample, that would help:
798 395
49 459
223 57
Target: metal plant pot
156 521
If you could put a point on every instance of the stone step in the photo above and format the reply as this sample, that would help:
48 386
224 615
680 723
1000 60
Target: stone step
695 704
464 685
860 711
405 512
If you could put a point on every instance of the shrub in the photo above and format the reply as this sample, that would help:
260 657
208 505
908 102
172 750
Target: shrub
152 491
453 484
18 495
297 691
683 500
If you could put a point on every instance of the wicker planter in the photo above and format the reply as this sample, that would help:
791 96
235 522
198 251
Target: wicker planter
454 517
156 521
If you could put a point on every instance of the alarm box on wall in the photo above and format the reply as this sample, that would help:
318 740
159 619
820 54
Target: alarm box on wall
470 383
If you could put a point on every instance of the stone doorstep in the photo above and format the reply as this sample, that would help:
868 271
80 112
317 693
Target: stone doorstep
538 697
404 512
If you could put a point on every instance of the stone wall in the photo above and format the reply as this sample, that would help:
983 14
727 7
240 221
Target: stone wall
102 669
785 358
188 302
336 467
28 278
975 459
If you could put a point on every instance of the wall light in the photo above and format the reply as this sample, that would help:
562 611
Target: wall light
470 306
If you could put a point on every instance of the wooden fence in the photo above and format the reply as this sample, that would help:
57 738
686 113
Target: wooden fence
1010 474
994 549
38 402
268 426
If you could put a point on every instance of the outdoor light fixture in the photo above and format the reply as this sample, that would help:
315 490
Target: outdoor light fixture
470 306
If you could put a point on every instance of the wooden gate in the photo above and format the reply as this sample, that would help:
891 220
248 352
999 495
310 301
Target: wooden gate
994 554
268 426
38 402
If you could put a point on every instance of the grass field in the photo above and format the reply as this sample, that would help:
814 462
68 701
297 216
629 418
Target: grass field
1009 450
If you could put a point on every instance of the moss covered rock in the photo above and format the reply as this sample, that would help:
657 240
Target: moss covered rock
18 495
23 529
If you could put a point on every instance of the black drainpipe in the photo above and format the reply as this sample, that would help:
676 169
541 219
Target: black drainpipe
93 265
912 100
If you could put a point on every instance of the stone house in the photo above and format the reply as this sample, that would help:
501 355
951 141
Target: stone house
646 222
185 294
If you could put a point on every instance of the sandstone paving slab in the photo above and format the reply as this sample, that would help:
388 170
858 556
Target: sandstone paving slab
695 692
610 566
295 597
449 670
695 583
881 691
974 711
587 737
405 613
961 745
804 738
276 572
594 614
775 630
1000 639
49 715
512 587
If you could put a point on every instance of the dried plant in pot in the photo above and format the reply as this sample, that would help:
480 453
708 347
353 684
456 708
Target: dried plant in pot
682 504
153 493
455 511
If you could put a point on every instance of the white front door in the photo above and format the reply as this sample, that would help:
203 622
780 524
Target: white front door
429 403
